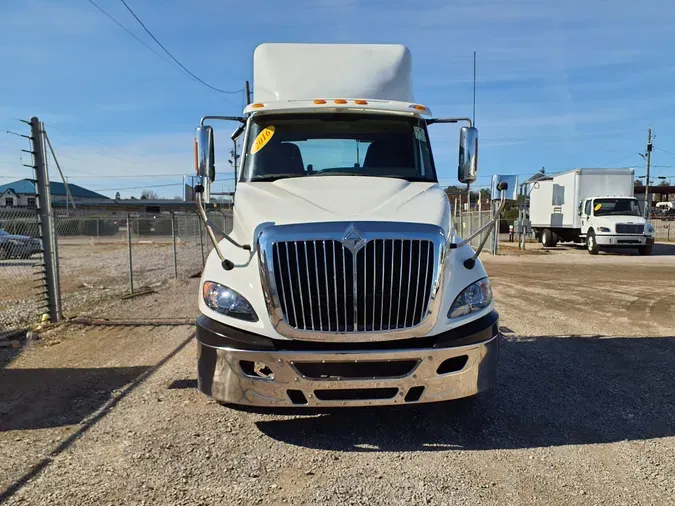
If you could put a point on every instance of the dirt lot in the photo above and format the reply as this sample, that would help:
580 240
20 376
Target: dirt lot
584 413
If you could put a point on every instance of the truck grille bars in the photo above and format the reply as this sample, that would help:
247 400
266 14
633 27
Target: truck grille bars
625 228
363 278
325 287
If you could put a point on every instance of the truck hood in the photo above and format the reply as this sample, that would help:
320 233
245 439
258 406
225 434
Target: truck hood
613 219
338 198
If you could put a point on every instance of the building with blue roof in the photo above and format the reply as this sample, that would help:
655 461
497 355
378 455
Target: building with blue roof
21 193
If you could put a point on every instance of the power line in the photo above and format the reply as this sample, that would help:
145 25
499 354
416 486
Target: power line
12 117
91 151
621 160
159 54
130 32
665 151
172 56
135 187
134 176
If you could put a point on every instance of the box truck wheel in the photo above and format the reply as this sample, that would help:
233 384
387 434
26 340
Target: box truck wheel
547 238
645 250
591 244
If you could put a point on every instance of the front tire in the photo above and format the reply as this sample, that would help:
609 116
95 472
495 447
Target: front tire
645 250
591 243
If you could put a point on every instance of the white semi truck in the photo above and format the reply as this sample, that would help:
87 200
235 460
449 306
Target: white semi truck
593 206
342 282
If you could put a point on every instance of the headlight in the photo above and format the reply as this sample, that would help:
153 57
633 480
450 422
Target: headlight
228 302
650 230
604 230
473 298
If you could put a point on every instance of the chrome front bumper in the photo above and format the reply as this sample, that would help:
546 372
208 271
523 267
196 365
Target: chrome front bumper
623 240
295 378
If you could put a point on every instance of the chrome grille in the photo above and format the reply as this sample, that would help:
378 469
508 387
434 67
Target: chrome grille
323 286
624 228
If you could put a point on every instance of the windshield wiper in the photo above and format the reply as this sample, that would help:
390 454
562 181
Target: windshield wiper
325 173
412 179
274 177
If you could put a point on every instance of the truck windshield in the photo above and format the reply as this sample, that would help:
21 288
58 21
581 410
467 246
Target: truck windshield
623 207
340 144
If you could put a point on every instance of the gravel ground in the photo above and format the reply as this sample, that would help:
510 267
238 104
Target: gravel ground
584 412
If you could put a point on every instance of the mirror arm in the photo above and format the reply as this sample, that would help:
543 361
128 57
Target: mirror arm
206 220
469 263
227 264
225 236
449 120
224 118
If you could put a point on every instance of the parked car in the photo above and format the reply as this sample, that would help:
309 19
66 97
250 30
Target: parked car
18 246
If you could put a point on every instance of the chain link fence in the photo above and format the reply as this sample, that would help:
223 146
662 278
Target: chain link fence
664 230
469 222
22 285
108 254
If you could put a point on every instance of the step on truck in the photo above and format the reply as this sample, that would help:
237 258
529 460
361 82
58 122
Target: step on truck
596 207
342 281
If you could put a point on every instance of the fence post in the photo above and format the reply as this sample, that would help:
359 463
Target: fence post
173 238
47 226
131 265
480 222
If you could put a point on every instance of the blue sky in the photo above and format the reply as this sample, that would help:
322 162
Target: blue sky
560 84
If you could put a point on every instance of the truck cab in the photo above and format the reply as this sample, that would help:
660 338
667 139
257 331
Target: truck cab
342 282
608 222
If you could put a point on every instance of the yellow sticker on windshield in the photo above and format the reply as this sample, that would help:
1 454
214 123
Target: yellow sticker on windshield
597 207
262 139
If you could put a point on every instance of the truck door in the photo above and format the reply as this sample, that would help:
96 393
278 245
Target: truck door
585 215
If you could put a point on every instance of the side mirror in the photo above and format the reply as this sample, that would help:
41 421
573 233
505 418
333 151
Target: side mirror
504 183
468 155
205 159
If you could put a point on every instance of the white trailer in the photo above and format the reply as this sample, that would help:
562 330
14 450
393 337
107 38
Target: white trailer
343 282
594 206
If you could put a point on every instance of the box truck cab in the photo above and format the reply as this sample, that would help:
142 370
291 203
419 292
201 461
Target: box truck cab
593 206
342 281
614 222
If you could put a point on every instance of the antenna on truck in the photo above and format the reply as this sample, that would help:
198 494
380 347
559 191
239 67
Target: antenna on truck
473 123
473 117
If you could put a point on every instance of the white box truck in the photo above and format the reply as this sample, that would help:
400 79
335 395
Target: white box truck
342 282
594 206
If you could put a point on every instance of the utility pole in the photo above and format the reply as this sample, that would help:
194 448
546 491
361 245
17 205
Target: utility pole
649 159
248 93
44 202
